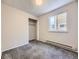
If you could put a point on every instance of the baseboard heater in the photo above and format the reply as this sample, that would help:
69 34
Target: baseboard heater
60 45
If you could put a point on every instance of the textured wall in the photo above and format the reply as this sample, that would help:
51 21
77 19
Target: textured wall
14 27
69 38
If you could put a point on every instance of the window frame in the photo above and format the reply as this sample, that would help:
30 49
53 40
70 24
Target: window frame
57 23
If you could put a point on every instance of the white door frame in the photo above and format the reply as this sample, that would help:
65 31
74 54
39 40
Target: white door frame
37 24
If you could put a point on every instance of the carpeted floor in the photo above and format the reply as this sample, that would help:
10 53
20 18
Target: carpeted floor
38 50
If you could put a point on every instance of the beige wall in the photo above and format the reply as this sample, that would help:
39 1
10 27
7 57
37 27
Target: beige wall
69 38
14 27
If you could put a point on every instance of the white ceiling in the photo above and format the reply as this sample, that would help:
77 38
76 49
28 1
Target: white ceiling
31 7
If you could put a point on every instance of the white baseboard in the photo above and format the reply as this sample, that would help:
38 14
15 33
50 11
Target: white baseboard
13 47
60 45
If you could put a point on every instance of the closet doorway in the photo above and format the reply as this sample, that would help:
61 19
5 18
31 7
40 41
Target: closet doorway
32 29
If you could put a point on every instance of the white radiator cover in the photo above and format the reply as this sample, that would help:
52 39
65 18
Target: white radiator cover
60 45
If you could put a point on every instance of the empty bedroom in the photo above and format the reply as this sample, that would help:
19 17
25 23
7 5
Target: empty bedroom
39 29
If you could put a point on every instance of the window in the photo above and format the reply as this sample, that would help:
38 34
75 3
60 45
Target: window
58 22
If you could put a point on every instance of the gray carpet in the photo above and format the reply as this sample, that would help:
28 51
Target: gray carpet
38 50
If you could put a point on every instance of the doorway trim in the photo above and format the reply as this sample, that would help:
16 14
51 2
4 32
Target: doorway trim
37 28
